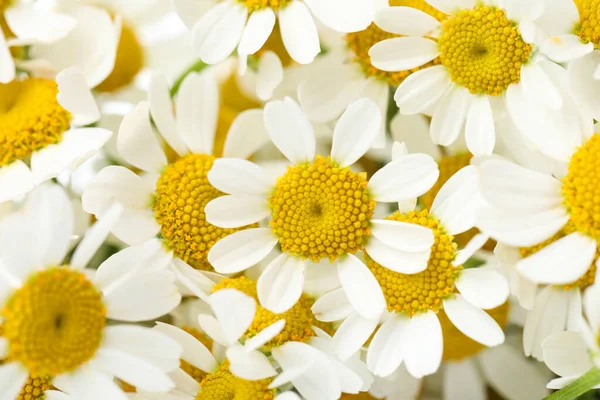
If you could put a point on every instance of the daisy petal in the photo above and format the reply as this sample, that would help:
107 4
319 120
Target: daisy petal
449 116
264 336
402 235
352 334
474 245
473 321
280 284
7 62
357 14
33 25
403 53
397 260
538 85
161 109
234 310
89 384
299 32
194 352
241 250
257 31
483 287
385 352
463 380
269 75
251 365
236 211
580 71
423 344
239 177
332 306
361 287
75 96
407 21
16 180
563 48
13 377
566 354
480 132
290 130
422 89
246 134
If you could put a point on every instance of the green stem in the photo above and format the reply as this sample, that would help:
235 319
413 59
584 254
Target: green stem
196 67
582 385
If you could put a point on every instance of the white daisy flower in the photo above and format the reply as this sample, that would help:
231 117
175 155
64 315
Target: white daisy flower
221 27
40 124
54 315
573 353
319 209
485 58
411 330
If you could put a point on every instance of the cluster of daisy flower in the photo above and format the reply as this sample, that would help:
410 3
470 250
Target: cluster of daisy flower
299 199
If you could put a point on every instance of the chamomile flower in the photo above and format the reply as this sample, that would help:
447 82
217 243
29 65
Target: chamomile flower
169 198
411 330
319 209
247 24
483 57
39 130
54 312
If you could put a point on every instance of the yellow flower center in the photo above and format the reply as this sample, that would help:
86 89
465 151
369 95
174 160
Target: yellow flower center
223 385
54 322
588 28
34 388
321 210
581 188
299 320
128 62
255 5
483 50
361 42
182 192
457 346
30 118
584 281
427 289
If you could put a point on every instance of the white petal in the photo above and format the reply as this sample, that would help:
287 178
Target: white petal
241 250
474 245
407 178
483 287
356 15
239 177
213 328
563 48
13 376
86 383
355 132
32 24
264 336
246 134
473 321
539 86
257 31
397 260
219 31
361 287
449 116
251 365
290 130
352 334
16 180
385 352
137 142
566 354
7 63
280 284
591 305
451 6
234 310
548 265
403 53
423 344
458 200
402 235
235 211
299 32
161 109
407 21
413 131
75 96
190 11
332 306
270 75
194 352
422 89
463 381
585 89
197 112
479 129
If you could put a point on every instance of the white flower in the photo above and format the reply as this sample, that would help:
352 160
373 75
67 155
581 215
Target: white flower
54 315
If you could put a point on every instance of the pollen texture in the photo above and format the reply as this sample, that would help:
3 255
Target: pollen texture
34 388
425 290
223 385
54 322
30 118
182 192
483 50
321 210
588 29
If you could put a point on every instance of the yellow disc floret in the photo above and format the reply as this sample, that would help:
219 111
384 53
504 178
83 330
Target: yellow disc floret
427 289
321 210
581 188
457 346
223 385
129 61
588 28
299 320
34 388
54 322
361 42
30 118
182 192
483 50
255 5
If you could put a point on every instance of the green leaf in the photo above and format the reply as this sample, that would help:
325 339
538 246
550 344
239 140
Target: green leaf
581 386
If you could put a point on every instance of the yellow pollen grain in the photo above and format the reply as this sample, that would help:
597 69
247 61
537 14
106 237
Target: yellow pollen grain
425 290
182 192
361 42
54 322
457 346
30 118
586 279
588 28
128 62
255 5
34 388
483 50
581 188
223 385
299 320
321 210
